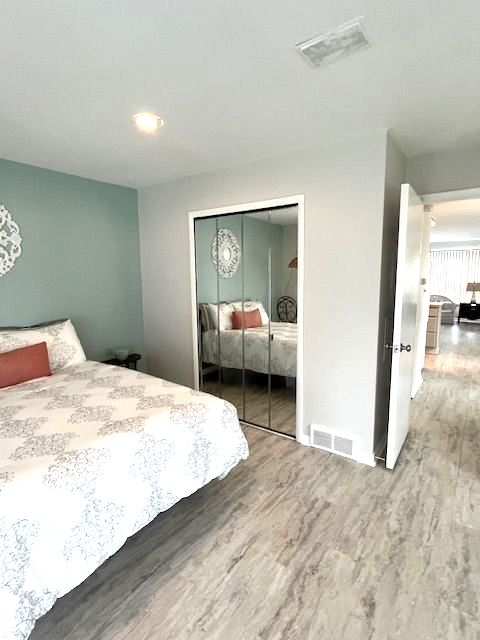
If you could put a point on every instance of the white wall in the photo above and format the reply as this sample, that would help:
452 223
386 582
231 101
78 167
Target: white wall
444 171
344 202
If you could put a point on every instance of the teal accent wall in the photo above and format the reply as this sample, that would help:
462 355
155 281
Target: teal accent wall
256 237
80 257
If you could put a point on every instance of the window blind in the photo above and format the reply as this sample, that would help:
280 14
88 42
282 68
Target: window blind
450 270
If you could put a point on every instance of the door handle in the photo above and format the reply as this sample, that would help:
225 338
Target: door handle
397 349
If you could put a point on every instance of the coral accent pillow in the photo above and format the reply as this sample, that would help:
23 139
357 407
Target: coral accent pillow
246 319
250 305
26 363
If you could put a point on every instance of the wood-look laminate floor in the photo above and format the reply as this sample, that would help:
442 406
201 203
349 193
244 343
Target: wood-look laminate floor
279 414
299 544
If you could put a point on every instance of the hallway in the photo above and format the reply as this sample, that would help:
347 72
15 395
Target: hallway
446 413
445 432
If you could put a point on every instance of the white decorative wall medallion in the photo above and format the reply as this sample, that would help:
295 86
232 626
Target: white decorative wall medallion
10 241
226 253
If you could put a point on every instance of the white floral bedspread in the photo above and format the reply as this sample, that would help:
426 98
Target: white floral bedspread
283 348
88 456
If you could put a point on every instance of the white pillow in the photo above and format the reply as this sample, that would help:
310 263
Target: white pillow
251 305
225 310
63 345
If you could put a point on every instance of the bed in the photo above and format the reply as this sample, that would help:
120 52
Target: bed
88 456
283 348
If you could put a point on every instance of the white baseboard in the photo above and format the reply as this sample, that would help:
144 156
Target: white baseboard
366 458
304 439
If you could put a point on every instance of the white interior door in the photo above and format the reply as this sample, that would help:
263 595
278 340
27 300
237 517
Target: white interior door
405 320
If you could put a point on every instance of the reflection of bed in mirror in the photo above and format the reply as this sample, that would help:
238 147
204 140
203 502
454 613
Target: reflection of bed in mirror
270 347
283 348
263 395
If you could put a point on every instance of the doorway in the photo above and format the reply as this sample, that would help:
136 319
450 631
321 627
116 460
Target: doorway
247 310
454 277
452 269
439 259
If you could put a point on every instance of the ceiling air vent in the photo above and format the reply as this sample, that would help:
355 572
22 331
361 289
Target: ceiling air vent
335 45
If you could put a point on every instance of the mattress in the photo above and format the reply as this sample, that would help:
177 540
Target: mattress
282 344
88 457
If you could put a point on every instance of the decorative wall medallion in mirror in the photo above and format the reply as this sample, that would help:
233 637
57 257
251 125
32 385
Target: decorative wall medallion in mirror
226 253
10 241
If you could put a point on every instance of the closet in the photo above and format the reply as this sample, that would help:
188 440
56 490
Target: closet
246 267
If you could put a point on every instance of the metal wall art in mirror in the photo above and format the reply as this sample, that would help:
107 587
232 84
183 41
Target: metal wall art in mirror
10 241
225 252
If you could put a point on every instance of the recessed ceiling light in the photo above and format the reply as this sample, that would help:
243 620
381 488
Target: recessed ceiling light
336 44
147 122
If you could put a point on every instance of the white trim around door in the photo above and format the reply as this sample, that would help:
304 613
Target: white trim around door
298 200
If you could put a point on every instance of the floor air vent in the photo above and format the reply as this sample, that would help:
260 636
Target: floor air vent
321 439
343 445
331 442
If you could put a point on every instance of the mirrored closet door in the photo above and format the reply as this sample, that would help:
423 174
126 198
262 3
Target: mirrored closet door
246 287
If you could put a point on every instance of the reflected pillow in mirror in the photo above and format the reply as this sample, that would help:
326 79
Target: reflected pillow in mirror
222 312
250 305
246 319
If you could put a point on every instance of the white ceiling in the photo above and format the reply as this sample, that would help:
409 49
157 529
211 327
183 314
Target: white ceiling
227 80
457 222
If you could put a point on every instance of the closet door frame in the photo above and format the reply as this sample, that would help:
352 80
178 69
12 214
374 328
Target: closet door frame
300 433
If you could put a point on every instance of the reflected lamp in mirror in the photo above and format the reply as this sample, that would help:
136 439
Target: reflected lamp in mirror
293 264
473 287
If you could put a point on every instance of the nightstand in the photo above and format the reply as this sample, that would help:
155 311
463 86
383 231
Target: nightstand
469 311
130 361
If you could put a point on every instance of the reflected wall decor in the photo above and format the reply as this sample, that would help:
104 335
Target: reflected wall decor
225 252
